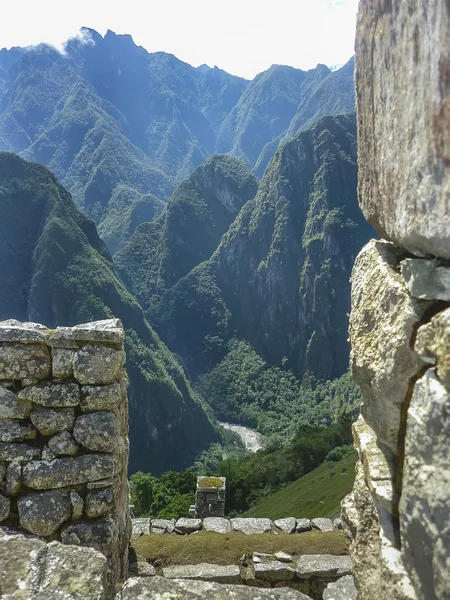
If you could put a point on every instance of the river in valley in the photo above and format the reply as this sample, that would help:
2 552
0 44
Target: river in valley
252 440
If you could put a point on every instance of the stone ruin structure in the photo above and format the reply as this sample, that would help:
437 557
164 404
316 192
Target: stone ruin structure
210 497
63 454
397 518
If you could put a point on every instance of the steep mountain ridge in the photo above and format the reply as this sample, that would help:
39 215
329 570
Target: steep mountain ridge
55 269
107 113
279 277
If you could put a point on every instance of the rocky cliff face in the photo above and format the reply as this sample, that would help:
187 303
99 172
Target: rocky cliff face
200 211
55 269
107 114
398 518
279 278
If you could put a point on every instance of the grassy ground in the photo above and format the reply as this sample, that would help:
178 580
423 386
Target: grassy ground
317 494
226 549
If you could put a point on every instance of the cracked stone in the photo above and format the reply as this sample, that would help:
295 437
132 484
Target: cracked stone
97 431
52 395
43 513
50 421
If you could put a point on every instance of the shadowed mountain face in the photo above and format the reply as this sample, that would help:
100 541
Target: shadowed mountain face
108 114
54 269
279 277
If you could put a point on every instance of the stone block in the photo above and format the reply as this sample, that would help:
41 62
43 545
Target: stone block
98 431
382 324
77 505
205 572
64 472
343 589
251 525
108 331
52 394
16 431
50 421
63 444
323 565
19 361
62 362
163 525
105 397
426 279
100 535
140 527
5 507
303 525
322 524
287 525
43 513
433 343
97 364
11 407
15 331
274 571
13 480
402 90
99 502
185 525
425 500
10 451
217 524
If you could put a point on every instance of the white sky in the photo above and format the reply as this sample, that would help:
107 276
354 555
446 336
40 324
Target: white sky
243 37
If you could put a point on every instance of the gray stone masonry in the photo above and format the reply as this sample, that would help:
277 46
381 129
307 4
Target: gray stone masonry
210 497
64 437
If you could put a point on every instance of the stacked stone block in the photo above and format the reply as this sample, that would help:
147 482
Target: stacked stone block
210 497
397 518
64 436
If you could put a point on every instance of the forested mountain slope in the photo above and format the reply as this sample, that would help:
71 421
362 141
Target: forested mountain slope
54 269
279 278
106 114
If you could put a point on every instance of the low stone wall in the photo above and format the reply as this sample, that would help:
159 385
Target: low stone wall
185 526
63 436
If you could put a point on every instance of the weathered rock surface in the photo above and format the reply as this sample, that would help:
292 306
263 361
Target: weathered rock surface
323 565
402 77
19 361
382 324
49 421
283 557
157 588
11 407
322 524
63 472
425 500
15 431
144 569
100 535
287 525
94 397
97 431
426 279
13 480
337 524
251 525
217 524
99 502
5 507
63 444
433 343
21 452
97 364
163 525
185 525
77 505
343 589
43 513
303 525
140 527
16 331
52 395
273 571
62 362
205 572
109 330
29 568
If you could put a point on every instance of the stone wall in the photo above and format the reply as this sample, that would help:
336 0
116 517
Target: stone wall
397 518
64 437
210 497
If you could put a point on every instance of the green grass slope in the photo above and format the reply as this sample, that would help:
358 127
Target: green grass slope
317 494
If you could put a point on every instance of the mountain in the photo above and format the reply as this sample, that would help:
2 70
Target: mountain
106 114
279 103
54 269
279 278
199 213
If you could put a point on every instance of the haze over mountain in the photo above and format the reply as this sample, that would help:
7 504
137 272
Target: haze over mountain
120 127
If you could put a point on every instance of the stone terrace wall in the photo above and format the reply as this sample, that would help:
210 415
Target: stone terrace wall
64 436
398 516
